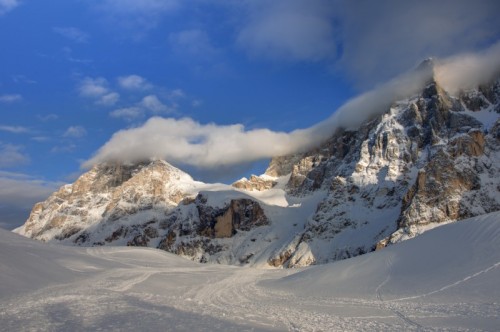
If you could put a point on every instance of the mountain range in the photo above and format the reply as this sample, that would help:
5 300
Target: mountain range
423 161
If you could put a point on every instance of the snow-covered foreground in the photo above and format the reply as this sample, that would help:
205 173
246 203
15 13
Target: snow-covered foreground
445 279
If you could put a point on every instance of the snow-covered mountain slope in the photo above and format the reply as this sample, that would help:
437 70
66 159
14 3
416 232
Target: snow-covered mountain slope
446 280
424 161
428 160
157 205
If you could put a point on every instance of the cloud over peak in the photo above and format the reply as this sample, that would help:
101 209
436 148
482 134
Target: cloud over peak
208 146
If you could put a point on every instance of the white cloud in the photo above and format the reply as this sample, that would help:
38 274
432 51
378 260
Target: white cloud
209 146
98 89
149 104
93 87
153 104
12 155
128 113
15 129
134 82
10 98
177 94
8 5
75 132
72 33
109 99
468 70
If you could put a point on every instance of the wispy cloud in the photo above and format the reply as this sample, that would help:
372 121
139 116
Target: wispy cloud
128 113
12 155
176 94
74 34
109 99
93 87
68 55
153 99
48 117
75 132
149 104
10 98
8 5
15 129
134 82
185 141
69 148
193 43
22 79
98 89
153 104
134 17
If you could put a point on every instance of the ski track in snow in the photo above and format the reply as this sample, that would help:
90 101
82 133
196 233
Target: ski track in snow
130 289
494 266
228 294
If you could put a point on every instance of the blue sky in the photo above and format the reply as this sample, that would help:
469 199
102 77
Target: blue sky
75 72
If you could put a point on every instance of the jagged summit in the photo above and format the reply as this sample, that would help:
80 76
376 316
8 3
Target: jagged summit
429 159
427 64
107 192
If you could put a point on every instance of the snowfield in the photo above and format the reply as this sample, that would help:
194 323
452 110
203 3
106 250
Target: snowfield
446 279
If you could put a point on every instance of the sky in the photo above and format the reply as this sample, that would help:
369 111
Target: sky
215 87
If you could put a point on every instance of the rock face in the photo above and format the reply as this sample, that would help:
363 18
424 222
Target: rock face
255 183
147 204
426 160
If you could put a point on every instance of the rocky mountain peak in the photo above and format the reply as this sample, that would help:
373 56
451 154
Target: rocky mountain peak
429 159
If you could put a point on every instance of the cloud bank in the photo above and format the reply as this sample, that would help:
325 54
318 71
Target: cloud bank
12 155
469 70
18 194
208 146
370 41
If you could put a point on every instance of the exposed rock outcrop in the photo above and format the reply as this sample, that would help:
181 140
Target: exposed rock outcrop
424 161
255 183
427 160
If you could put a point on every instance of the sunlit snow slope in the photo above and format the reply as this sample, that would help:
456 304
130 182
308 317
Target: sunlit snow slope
445 279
